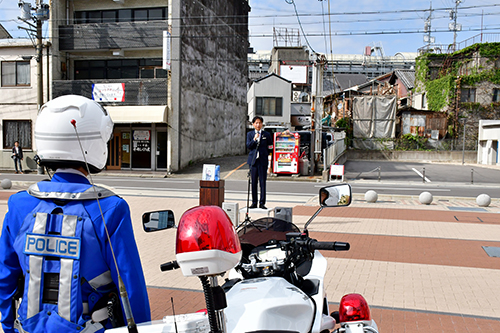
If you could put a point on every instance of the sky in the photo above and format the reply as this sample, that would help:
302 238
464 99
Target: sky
347 26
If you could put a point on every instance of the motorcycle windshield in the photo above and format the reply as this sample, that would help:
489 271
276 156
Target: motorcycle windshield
261 231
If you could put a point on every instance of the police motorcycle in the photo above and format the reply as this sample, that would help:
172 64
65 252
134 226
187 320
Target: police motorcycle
276 278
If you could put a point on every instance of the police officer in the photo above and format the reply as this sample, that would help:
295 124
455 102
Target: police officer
54 248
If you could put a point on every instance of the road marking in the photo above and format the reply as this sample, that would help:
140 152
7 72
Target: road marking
154 189
421 176
149 180
375 187
402 188
232 171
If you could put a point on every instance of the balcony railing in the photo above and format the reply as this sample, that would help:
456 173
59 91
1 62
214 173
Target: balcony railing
449 48
137 91
105 36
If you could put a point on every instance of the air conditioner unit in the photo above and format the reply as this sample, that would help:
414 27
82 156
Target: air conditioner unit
232 210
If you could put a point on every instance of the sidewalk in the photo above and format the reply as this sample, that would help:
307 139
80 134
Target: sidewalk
422 268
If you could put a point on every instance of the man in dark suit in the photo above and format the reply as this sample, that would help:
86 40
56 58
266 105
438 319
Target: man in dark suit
260 144
17 156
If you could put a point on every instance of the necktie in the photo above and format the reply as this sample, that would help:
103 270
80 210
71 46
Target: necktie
258 140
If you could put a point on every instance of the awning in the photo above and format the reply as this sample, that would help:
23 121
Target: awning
138 114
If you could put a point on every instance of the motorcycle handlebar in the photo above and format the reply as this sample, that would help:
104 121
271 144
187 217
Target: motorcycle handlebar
335 246
169 266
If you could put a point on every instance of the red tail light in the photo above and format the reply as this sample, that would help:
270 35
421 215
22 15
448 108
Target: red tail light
353 307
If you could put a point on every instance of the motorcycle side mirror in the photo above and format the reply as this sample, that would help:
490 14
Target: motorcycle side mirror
338 195
335 195
158 220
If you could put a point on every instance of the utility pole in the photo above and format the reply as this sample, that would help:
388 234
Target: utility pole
316 109
41 14
427 28
455 26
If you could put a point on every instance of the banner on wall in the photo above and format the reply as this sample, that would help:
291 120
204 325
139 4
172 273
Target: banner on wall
108 92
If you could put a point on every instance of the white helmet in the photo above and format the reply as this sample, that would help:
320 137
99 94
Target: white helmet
56 139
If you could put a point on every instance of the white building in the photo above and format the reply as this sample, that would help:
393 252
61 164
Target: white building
270 97
489 142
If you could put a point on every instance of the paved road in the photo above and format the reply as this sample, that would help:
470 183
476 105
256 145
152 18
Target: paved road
396 178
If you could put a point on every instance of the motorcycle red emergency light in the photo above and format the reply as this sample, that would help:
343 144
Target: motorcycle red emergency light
353 307
207 243
206 228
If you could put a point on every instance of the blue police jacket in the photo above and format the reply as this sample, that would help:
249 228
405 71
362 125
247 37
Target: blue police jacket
59 248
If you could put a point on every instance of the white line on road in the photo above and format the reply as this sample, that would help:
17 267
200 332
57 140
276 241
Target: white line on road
403 188
421 176
154 189
375 187
149 180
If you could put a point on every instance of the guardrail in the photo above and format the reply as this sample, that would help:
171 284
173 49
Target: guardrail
331 152
420 144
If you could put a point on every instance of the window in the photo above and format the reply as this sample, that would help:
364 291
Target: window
156 14
140 15
16 73
467 95
269 106
119 69
125 15
109 16
17 130
120 15
496 95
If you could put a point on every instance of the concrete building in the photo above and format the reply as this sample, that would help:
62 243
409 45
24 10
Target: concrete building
18 105
113 52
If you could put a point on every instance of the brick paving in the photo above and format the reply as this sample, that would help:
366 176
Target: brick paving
421 268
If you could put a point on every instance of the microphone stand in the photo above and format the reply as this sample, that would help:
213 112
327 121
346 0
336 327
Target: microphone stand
247 217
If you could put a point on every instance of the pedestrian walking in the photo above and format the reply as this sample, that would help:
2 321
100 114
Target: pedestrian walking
17 156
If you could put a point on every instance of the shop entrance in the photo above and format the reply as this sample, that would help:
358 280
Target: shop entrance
161 150
114 156
141 148
125 146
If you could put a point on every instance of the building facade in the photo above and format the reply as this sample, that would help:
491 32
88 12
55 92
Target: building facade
18 89
113 52
464 85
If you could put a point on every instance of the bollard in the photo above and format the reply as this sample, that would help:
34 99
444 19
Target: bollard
379 173
472 176
425 198
6 184
371 196
423 176
483 200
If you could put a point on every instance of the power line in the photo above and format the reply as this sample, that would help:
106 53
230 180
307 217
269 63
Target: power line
300 24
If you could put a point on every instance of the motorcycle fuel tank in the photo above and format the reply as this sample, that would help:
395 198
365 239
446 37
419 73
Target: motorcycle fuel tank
268 304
